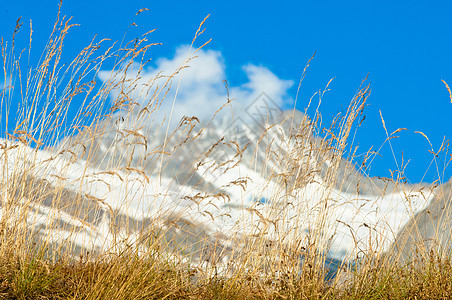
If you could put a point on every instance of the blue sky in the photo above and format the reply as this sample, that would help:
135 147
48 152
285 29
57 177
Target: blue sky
404 46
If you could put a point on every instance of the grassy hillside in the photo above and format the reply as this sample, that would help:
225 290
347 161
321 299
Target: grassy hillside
43 211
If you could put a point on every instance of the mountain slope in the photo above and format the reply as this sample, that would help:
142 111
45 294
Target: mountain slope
212 193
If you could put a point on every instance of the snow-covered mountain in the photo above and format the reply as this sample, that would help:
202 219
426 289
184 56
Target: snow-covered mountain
428 229
205 191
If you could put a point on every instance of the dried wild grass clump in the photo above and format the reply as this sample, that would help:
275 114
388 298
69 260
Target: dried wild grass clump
119 202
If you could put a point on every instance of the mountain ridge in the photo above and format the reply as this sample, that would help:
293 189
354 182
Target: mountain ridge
206 189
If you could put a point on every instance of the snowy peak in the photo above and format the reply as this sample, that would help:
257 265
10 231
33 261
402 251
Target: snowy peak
122 180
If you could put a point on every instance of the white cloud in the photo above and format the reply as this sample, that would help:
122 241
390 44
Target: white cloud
201 88
4 85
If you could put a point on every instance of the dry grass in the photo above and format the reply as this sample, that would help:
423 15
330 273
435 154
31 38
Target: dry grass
149 258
